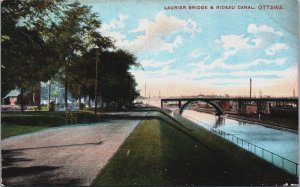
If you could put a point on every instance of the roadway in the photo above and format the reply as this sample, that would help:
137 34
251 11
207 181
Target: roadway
70 155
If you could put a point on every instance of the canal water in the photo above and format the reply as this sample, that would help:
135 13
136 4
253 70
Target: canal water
280 142
280 147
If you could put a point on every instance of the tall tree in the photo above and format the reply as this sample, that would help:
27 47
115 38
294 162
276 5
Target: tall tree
48 38
25 56
72 38
118 85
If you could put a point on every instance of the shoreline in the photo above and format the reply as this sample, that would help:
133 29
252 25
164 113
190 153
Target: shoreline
265 122
262 124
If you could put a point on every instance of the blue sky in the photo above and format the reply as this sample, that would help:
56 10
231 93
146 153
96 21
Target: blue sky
188 52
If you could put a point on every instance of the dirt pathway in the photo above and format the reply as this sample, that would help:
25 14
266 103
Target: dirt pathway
71 155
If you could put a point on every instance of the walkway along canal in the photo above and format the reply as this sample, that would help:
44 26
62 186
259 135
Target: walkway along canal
278 147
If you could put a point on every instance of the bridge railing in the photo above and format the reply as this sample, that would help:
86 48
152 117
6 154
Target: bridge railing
275 159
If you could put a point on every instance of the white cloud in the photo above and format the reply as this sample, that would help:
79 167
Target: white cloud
276 47
165 72
115 23
172 81
153 32
154 63
195 53
117 36
202 70
242 74
233 43
219 63
252 28
261 72
165 46
192 26
109 29
198 53
160 34
279 61
165 25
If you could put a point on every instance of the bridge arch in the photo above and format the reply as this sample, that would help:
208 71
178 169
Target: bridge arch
219 110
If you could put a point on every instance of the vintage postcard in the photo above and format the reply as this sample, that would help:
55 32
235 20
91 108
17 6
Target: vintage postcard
154 93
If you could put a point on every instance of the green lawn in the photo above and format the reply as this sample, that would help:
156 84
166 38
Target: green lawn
13 130
17 123
161 151
158 153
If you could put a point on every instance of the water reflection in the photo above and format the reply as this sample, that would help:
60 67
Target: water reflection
220 120
281 142
241 122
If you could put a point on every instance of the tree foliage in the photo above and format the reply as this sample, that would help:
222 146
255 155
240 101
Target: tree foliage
43 40
118 85
26 57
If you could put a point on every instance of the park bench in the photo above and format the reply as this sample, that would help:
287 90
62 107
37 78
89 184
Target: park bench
70 116
31 108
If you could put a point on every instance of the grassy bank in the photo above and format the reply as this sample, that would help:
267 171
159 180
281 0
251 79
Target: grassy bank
17 123
161 152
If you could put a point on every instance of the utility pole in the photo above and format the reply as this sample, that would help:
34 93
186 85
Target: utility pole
294 94
96 82
250 88
49 94
260 93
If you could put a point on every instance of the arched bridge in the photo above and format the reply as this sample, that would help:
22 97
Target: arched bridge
243 104
219 110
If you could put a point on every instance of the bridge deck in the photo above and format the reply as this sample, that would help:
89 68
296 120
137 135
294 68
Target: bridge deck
286 99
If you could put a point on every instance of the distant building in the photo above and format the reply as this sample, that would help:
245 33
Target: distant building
249 109
202 105
32 98
225 105
11 97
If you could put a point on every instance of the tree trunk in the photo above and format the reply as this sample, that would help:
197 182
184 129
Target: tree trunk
96 102
89 102
31 98
49 95
102 94
66 94
22 100
79 98
107 103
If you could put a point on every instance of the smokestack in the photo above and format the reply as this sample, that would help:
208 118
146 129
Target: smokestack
250 87
260 93
145 91
294 94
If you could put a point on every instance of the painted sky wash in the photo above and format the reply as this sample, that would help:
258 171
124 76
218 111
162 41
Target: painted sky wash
207 47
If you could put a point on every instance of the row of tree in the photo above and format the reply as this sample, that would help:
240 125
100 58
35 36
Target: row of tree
53 40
